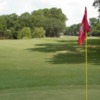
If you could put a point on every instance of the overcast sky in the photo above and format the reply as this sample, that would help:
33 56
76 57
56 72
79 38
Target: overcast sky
73 9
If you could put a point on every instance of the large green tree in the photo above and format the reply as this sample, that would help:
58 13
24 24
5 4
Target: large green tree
95 27
3 25
93 22
24 20
38 18
56 22
52 20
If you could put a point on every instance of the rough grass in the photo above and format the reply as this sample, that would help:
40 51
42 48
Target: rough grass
48 69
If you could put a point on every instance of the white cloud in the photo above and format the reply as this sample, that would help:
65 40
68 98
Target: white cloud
73 9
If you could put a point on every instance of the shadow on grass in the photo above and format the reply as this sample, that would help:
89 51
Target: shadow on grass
94 51
67 51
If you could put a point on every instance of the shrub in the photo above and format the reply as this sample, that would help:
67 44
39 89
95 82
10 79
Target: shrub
25 32
39 32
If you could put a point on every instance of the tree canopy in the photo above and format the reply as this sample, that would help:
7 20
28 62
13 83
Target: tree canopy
95 27
51 20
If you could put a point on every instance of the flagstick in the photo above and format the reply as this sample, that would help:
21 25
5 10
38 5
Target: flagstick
86 67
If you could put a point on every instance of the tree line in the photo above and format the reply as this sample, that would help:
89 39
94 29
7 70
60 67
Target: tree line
43 23
94 28
40 23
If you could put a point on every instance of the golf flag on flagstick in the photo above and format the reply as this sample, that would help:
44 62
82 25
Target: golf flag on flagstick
84 28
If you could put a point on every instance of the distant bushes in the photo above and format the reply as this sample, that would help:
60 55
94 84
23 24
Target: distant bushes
38 32
25 32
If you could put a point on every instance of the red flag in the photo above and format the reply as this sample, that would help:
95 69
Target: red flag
84 28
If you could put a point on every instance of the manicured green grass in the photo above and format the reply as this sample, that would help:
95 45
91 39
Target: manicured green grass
48 69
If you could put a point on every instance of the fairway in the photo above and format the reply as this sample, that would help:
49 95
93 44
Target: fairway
48 69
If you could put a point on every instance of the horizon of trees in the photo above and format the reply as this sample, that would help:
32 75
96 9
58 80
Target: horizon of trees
94 28
47 22
41 23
